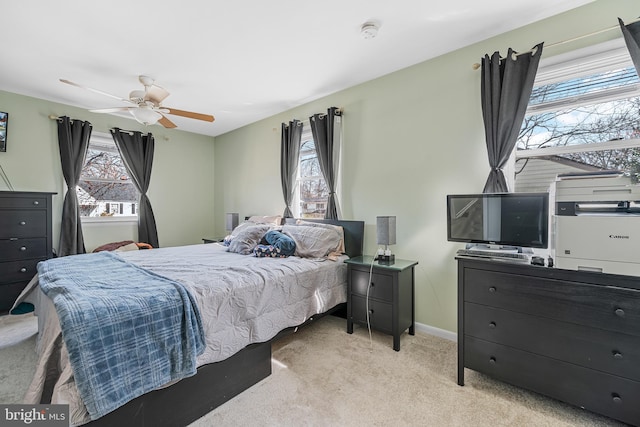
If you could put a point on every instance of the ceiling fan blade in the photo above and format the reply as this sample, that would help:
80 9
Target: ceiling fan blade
111 110
155 94
94 90
191 115
167 123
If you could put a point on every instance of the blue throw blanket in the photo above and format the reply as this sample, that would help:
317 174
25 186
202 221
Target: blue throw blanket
128 331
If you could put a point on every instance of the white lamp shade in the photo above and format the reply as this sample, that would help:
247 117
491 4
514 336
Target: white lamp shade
232 221
386 230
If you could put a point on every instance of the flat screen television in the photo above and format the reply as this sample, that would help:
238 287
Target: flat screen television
500 220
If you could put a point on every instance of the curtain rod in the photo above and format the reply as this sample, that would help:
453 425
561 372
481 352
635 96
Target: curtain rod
604 30
166 138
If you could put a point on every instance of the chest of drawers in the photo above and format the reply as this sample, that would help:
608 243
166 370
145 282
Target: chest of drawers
571 335
25 239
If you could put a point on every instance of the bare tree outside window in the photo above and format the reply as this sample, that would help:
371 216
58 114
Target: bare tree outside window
312 186
105 188
581 114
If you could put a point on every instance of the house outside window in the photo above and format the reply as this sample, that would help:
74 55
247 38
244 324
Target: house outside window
312 193
583 116
105 188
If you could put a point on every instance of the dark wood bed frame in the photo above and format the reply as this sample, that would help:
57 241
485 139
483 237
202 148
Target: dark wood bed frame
214 384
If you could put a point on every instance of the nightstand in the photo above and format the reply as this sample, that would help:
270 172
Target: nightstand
391 296
209 240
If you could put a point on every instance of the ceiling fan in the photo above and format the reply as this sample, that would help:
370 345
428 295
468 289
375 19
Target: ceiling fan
146 106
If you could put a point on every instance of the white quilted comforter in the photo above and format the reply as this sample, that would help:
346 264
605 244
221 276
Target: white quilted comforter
242 300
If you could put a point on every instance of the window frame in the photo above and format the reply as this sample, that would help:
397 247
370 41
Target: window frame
103 139
578 63
307 135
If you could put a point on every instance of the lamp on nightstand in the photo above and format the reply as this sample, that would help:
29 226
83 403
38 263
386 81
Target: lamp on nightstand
386 235
232 221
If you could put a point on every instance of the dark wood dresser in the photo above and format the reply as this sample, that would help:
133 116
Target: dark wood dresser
390 294
25 239
570 335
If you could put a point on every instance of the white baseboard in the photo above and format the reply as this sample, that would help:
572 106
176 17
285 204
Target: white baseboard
432 330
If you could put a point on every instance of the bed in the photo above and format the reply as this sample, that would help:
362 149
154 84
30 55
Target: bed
242 302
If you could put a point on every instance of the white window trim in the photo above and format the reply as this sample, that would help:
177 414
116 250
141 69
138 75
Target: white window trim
574 64
306 128
107 139
109 219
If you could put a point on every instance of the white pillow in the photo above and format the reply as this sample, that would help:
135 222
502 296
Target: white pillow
247 238
274 220
313 242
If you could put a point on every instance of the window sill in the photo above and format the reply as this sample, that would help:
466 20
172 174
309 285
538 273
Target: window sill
109 219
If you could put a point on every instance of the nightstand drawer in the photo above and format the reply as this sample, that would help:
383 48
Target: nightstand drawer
589 389
381 284
15 249
594 348
605 307
380 313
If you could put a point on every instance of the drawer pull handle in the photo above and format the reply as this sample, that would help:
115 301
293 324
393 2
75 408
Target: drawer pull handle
23 270
492 289
371 311
492 325
372 284
617 355
23 248
35 202
616 397
619 312
23 223
492 360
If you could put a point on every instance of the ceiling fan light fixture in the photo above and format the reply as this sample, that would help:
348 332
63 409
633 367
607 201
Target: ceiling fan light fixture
145 116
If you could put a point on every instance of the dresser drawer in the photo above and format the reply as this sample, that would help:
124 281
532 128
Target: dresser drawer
381 284
380 313
18 271
15 249
607 351
605 307
590 389
8 294
23 223
35 201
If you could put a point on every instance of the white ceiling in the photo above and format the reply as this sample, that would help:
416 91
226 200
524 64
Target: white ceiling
239 60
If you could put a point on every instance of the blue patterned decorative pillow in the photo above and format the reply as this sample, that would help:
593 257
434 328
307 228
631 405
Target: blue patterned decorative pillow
270 251
282 242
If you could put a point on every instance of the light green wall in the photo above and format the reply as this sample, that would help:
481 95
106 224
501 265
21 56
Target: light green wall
181 190
410 138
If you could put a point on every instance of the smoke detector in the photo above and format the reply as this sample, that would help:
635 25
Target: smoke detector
369 30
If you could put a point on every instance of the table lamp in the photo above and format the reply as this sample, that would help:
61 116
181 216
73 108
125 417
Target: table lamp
386 235
232 222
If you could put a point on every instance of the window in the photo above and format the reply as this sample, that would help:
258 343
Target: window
312 189
105 189
583 116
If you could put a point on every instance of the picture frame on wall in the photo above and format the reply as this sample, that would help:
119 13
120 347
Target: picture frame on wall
4 120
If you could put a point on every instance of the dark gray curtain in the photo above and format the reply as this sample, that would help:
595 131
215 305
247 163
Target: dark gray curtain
505 90
631 35
137 152
322 127
73 141
289 154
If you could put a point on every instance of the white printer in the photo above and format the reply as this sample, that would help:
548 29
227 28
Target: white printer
597 223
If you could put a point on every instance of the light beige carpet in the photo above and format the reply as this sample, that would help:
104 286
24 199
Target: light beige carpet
323 376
